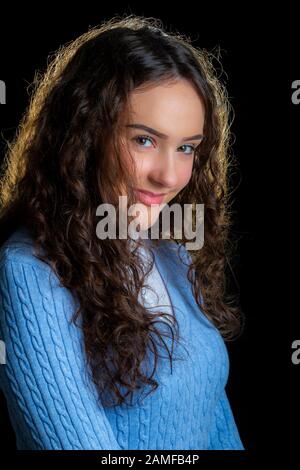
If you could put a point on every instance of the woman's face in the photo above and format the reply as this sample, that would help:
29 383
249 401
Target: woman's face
164 152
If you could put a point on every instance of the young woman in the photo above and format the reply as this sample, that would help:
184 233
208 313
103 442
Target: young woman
125 109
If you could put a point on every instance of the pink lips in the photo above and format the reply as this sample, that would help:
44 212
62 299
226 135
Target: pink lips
149 198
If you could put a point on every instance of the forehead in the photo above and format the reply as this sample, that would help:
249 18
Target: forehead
175 106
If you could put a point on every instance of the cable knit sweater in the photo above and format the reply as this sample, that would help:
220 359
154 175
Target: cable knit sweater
51 399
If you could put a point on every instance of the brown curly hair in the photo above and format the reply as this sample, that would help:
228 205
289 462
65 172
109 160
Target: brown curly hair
67 158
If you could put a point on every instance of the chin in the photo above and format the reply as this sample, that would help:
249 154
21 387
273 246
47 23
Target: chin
149 218
146 225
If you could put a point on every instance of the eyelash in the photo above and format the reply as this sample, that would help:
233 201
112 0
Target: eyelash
149 138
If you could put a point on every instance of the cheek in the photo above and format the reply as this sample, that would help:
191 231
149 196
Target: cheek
142 166
185 173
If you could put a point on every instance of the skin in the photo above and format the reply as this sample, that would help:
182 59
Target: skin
164 165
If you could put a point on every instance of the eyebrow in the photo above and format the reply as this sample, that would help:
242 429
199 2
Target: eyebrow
160 134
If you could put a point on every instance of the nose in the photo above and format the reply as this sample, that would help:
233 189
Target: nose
163 172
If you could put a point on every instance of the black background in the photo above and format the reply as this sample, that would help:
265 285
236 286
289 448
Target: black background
260 57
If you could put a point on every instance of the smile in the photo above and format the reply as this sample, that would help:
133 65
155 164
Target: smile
148 198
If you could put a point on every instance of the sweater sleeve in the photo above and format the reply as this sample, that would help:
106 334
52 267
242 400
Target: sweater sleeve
44 379
224 433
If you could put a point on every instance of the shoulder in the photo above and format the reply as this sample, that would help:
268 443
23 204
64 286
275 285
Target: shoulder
19 248
29 288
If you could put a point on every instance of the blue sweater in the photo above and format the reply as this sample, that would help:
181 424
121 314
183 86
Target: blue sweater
53 403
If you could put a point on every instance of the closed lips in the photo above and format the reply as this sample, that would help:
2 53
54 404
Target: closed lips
149 198
150 193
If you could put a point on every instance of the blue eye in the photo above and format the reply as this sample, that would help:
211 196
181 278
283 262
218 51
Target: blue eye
192 147
145 137
142 137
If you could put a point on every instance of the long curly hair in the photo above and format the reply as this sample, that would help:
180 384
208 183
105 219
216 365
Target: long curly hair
67 157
